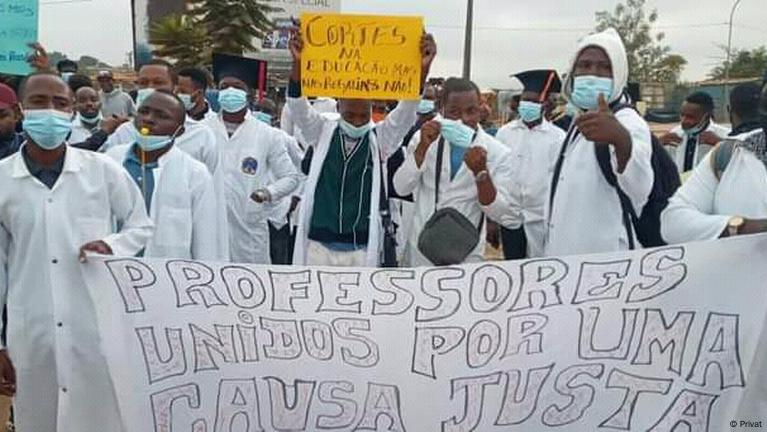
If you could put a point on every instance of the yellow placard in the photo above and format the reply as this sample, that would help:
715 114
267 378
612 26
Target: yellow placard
361 56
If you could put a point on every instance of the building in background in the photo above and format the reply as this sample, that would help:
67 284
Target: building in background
274 48
146 13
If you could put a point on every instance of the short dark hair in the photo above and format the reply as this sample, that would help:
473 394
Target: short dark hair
702 99
77 81
180 104
66 64
198 76
457 85
167 64
744 100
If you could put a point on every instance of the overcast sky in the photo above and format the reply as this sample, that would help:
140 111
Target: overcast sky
510 35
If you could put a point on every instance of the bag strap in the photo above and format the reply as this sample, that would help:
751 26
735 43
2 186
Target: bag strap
602 152
722 156
438 173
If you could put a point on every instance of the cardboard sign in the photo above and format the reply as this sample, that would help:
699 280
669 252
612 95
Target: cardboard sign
18 28
361 56
637 341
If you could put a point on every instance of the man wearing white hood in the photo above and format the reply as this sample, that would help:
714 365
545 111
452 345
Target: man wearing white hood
584 213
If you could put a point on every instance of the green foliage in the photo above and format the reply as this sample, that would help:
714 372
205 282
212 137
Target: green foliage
744 64
226 26
650 60
180 38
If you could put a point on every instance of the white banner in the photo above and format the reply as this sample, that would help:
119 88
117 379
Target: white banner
641 341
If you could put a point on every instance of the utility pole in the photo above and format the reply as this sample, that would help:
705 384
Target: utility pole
729 53
467 41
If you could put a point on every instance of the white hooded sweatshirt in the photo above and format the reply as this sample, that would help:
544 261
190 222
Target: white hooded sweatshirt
585 214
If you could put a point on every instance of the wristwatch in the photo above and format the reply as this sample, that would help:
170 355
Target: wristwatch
481 176
734 225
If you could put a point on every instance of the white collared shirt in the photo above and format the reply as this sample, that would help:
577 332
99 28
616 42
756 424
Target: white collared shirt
533 153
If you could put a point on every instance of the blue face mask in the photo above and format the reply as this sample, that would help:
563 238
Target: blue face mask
698 128
187 100
426 106
263 117
66 76
91 120
142 94
530 112
354 132
232 99
150 143
48 128
586 90
457 133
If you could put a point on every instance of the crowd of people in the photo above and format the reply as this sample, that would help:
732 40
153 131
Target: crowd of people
86 169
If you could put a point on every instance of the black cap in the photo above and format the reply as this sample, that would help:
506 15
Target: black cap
544 81
250 71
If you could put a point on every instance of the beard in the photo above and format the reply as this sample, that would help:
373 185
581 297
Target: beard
7 136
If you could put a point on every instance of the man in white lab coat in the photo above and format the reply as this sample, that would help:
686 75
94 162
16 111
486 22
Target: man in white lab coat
534 143
340 212
88 118
726 194
57 202
282 220
474 173
255 164
192 85
697 134
197 139
177 189
584 213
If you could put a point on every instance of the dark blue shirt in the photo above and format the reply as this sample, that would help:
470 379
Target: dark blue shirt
142 174
46 174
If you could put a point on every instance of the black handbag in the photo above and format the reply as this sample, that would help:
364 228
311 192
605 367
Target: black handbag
448 237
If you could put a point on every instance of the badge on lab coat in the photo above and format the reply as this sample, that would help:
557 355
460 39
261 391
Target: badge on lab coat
249 166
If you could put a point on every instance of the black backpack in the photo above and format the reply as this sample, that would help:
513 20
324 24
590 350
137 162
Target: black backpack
665 183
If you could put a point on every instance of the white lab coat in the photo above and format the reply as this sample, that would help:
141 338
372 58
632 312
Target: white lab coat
318 131
534 154
282 207
459 193
586 215
703 206
184 209
254 143
322 105
701 150
80 132
199 142
62 379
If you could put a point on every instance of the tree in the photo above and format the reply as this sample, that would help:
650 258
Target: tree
226 26
650 60
182 39
744 64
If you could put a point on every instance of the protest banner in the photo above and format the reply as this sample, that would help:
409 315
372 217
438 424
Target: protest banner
361 56
18 28
638 341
